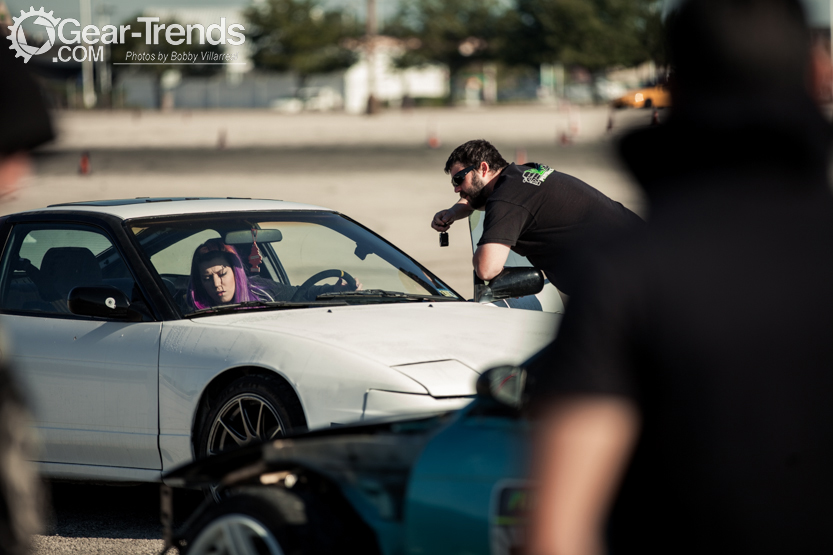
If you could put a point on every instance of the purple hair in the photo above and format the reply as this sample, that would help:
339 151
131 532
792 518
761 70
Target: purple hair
214 248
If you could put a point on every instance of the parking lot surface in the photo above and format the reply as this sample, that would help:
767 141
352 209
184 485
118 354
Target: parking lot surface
378 170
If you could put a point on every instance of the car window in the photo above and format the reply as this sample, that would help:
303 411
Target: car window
291 248
308 248
176 259
43 263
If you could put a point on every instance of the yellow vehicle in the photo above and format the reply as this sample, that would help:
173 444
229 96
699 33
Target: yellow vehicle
648 97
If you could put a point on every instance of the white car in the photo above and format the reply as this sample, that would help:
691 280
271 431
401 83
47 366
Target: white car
130 374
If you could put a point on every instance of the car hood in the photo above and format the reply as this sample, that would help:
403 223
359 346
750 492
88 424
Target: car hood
404 334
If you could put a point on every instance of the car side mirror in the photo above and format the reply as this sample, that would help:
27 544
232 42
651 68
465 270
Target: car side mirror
504 384
103 301
511 282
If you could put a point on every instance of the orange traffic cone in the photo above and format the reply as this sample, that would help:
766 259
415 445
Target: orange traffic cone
520 156
655 117
575 123
433 140
433 136
84 163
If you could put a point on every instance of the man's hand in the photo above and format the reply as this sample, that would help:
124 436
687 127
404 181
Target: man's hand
443 220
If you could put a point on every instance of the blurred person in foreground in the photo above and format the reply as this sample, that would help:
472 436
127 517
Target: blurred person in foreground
686 402
26 124
542 214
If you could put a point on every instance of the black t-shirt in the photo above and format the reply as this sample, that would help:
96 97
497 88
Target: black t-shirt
548 216
718 326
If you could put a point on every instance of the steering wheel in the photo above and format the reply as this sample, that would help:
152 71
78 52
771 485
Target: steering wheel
304 288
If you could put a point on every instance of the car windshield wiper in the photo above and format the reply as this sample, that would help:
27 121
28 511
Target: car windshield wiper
228 308
382 294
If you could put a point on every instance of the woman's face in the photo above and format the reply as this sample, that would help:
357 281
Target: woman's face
218 279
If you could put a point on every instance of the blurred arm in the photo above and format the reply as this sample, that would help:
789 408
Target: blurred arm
582 447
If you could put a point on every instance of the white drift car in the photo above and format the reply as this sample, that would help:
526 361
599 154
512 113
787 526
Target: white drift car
133 369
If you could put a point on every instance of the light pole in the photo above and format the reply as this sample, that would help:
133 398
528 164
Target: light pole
105 78
371 30
87 86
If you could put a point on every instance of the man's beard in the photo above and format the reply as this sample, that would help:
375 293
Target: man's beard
480 196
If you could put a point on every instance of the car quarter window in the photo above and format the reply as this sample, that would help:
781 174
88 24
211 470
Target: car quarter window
42 263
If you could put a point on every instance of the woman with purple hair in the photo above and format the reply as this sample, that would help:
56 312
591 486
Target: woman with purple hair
218 277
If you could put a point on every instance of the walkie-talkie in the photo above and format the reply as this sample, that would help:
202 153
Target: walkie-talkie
443 238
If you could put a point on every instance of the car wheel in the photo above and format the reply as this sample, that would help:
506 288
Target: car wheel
251 408
649 103
244 524
257 520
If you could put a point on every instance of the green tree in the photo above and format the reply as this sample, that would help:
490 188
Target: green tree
456 33
300 36
594 34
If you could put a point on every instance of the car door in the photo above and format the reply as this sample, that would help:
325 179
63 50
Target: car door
548 300
91 382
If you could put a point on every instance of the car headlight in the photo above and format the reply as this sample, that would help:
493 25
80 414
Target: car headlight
442 378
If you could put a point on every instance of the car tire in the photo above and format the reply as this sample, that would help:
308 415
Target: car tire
649 103
277 521
248 523
251 408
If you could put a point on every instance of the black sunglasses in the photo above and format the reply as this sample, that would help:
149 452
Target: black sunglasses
457 178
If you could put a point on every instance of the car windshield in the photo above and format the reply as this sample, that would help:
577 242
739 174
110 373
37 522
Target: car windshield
230 261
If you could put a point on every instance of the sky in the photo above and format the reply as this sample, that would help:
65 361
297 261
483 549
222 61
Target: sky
125 9
817 10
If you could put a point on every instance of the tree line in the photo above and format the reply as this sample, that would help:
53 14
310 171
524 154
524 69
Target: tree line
299 36
302 37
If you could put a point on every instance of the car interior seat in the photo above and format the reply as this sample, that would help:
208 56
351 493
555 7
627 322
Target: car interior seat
62 269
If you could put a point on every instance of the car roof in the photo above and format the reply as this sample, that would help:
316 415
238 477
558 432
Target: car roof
143 207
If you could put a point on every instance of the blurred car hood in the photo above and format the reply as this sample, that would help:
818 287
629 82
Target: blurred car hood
395 334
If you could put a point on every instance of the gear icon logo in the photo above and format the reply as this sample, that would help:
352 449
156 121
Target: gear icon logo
18 38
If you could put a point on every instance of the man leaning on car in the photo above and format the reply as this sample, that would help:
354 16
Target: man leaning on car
26 124
545 215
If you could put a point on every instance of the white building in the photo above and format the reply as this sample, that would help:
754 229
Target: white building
242 87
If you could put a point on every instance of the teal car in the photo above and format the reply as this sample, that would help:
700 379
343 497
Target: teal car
448 483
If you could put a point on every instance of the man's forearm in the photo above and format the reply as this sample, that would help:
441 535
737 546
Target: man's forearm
489 259
461 209
581 450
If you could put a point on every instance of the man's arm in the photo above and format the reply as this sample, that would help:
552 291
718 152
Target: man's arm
444 218
489 259
582 448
